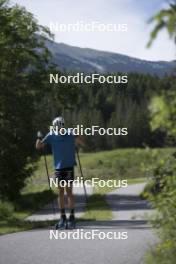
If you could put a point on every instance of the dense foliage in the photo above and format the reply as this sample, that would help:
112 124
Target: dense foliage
162 194
24 94
162 189
21 81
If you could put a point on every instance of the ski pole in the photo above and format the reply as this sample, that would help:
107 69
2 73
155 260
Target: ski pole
40 136
80 167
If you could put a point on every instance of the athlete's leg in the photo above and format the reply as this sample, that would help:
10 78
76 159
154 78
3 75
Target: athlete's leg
61 198
70 196
62 222
71 204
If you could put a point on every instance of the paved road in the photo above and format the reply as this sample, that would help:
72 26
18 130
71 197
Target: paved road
129 206
47 212
36 247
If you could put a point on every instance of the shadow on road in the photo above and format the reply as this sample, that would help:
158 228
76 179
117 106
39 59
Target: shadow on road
127 202
117 202
113 224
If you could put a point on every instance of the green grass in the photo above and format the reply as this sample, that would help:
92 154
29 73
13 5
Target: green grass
27 204
121 163
114 164
18 224
128 164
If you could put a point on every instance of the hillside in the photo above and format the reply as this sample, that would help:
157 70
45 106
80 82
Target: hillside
87 60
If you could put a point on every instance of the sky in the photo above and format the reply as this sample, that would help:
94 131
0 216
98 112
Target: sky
134 13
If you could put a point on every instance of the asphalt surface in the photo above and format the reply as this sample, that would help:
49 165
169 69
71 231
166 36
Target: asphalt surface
46 213
43 246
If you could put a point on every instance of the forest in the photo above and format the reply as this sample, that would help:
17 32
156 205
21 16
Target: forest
127 105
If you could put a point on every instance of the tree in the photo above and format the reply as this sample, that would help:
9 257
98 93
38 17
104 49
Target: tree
163 106
163 118
22 81
165 19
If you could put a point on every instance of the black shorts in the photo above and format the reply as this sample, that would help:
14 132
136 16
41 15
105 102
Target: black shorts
66 174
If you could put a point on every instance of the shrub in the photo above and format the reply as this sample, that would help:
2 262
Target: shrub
6 210
163 197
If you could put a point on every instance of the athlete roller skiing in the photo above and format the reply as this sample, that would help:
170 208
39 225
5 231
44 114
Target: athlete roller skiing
63 150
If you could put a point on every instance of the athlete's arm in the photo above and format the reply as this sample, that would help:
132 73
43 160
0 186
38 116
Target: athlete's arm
80 141
39 144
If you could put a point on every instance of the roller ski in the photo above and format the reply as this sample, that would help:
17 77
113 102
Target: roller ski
62 223
71 224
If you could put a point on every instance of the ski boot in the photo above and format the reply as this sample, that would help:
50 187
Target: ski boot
71 222
62 224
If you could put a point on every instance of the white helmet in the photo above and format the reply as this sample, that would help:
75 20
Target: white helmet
59 121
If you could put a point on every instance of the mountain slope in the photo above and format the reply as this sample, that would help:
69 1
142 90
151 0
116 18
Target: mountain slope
87 60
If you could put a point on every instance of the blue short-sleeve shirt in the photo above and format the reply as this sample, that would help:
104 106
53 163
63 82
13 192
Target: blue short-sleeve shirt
63 149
